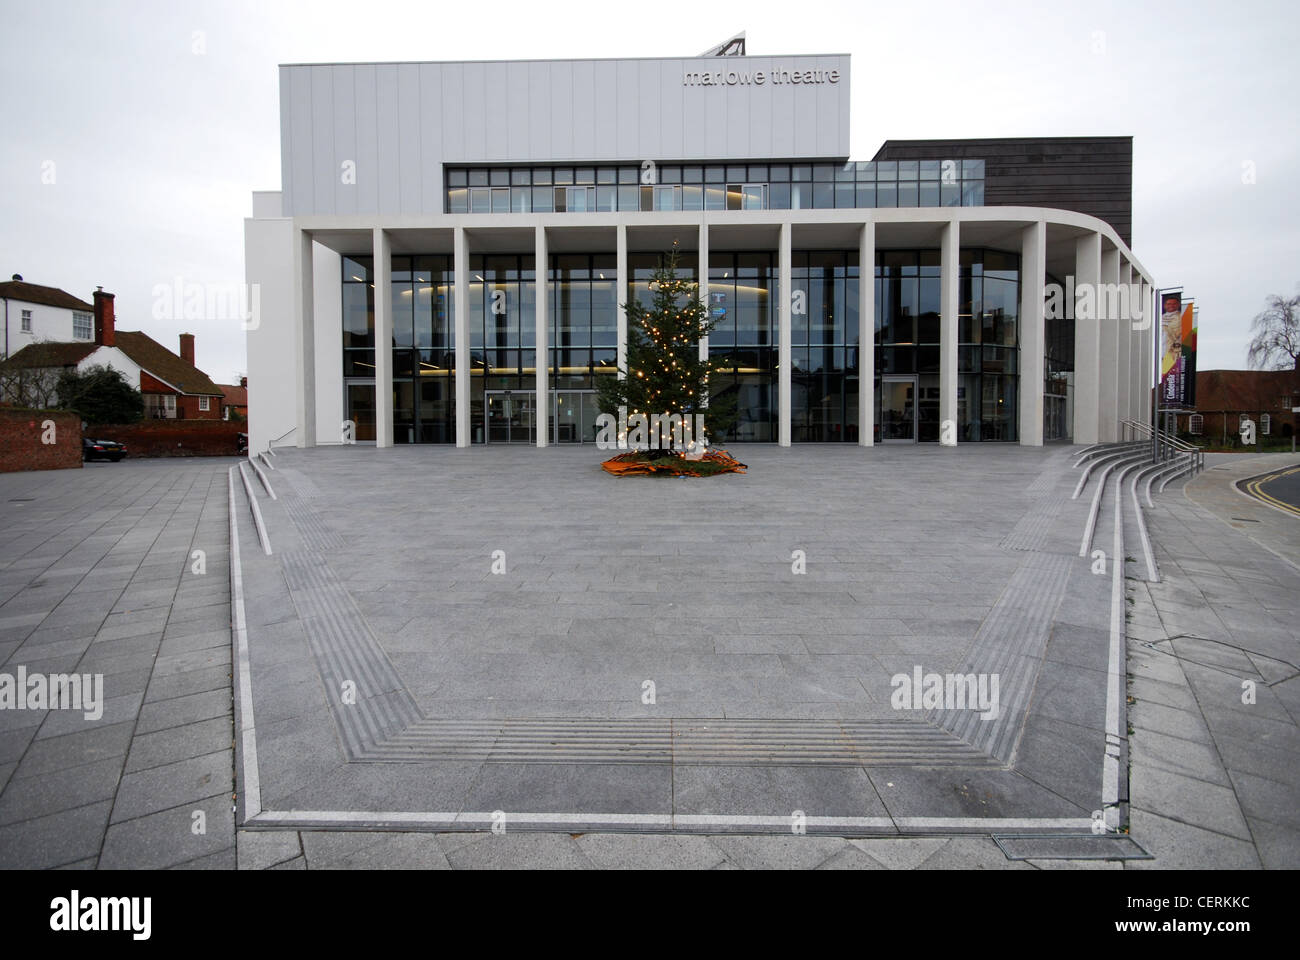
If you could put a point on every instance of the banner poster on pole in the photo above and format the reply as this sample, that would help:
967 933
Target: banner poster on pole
1175 327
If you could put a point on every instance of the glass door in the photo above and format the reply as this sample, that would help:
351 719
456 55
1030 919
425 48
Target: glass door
898 409
510 416
575 416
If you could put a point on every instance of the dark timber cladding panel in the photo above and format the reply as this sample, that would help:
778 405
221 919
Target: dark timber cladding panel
1092 175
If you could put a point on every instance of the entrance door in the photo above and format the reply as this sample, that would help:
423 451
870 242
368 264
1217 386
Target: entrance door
898 409
510 416
575 416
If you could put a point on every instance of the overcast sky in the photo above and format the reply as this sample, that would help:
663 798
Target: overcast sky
156 120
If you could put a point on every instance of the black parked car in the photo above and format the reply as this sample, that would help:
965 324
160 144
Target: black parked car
102 450
242 443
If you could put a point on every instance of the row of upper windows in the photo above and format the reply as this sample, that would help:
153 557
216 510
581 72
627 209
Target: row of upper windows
871 170
81 325
734 196
885 183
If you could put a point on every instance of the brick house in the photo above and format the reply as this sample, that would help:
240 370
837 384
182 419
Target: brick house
236 399
172 386
1224 397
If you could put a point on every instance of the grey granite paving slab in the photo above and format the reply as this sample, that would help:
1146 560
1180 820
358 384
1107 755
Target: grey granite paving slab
519 851
221 860
41 794
95 744
794 852
55 839
179 743
171 837
650 852
261 850
177 711
1181 846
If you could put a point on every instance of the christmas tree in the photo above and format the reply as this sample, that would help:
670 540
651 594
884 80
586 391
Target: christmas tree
665 380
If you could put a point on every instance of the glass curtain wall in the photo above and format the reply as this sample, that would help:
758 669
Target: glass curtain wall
908 339
1058 373
359 347
752 186
502 335
824 346
424 357
743 347
583 341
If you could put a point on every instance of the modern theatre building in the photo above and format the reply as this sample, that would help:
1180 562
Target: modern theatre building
449 254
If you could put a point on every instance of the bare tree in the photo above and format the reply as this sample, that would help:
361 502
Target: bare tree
35 383
1276 343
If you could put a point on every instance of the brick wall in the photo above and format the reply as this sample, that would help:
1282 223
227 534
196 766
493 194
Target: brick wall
22 433
187 408
174 438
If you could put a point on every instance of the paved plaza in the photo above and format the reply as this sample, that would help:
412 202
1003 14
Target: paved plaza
639 671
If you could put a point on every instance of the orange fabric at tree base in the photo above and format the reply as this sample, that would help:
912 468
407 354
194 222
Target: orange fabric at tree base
631 464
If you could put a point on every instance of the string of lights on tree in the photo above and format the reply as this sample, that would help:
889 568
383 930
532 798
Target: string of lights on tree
664 373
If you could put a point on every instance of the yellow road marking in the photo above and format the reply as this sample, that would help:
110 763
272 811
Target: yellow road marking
1254 488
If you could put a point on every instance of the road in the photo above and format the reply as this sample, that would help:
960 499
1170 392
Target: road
1279 489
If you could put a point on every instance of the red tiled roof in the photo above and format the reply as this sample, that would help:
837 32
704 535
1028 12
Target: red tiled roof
49 296
235 396
149 354
47 354
165 365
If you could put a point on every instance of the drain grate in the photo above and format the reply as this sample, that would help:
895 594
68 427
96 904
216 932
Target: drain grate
1080 846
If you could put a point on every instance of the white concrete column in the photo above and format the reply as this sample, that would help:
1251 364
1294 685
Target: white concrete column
704 282
867 334
1124 331
460 266
949 265
1139 335
304 330
621 296
383 275
1108 355
783 335
1145 375
1087 342
1033 277
544 402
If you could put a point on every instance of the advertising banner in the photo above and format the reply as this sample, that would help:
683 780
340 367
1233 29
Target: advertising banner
1178 334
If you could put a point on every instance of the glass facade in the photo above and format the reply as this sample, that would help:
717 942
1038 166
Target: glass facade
744 345
751 186
908 340
1058 373
424 356
824 346
743 296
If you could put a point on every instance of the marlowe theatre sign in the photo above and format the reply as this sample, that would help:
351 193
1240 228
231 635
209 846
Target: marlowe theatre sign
756 78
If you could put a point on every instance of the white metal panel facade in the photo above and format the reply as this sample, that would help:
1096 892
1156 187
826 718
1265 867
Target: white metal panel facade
372 138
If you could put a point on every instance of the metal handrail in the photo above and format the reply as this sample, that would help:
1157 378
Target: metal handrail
271 443
1167 446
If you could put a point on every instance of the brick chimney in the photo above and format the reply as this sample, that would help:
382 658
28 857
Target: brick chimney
105 332
243 382
187 348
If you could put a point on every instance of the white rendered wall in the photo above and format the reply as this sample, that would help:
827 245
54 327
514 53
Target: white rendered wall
114 359
48 323
268 262
327 277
